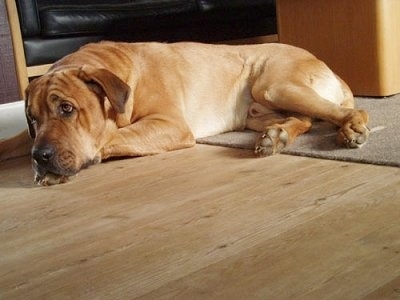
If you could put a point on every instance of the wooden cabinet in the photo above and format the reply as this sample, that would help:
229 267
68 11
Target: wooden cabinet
358 39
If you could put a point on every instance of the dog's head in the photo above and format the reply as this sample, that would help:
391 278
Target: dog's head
68 111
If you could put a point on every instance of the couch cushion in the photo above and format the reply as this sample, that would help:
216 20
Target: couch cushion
77 17
37 49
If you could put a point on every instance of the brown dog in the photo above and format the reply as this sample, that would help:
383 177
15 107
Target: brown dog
119 99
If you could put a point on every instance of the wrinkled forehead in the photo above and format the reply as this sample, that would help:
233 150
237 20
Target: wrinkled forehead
36 92
59 83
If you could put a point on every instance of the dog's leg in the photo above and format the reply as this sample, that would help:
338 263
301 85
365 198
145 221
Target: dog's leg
278 129
18 145
353 132
148 137
277 133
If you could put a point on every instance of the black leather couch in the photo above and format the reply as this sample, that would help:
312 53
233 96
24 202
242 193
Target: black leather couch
54 28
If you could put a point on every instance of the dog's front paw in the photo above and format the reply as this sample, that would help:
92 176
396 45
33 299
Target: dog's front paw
354 133
3 152
271 141
6 150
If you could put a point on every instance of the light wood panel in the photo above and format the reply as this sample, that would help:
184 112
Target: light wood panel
18 48
39 70
358 39
24 73
202 223
273 38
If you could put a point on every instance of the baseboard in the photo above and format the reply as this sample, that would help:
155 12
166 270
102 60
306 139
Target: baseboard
12 119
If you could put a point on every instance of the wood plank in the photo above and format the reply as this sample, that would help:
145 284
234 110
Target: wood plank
206 222
39 70
18 48
272 38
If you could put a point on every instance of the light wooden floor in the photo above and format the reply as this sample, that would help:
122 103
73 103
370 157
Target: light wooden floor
202 223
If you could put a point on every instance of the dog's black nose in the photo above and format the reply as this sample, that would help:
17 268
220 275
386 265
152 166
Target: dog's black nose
42 155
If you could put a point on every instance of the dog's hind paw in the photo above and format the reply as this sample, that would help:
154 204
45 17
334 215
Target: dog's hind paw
354 133
272 141
352 139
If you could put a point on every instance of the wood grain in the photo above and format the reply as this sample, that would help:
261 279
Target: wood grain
358 39
202 223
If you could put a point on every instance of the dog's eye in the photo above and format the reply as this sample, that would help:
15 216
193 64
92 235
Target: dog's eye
66 108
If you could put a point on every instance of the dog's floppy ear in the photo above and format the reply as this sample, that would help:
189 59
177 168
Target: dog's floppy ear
31 127
116 90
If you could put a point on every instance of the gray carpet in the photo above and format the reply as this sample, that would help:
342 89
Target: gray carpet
383 147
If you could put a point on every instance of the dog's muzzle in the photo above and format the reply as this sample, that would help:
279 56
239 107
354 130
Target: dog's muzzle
47 167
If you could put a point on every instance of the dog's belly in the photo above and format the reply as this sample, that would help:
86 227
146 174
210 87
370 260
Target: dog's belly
216 116
216 99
